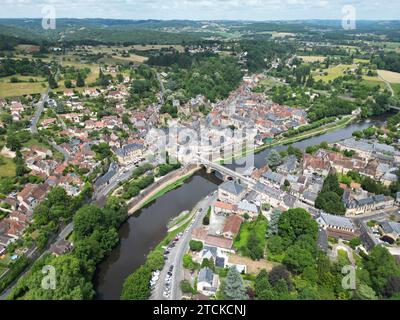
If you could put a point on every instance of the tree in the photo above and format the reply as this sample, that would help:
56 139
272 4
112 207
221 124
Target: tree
381 265
136 286
262 287
52 82
80 82
392 286
273 159
186 287
275 245
280 273
155 260
13 143
331 184
274 222
196 245
234 288
71 284
364 292
297 259
294 223
188 263
86 220
68 83
255 247
331 203
309 293
208 263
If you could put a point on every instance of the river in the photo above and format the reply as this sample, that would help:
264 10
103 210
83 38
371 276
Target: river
143 231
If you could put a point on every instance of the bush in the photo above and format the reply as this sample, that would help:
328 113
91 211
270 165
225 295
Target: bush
186 287
275 245
195 245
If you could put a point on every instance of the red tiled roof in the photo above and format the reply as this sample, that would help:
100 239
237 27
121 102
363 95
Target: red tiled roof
233 224
224 205
220 242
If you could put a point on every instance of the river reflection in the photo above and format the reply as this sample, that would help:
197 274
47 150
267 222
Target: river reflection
145 230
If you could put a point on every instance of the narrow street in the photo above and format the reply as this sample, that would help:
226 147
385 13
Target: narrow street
176 255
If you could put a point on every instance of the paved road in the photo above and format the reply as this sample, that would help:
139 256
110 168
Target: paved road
39 111
123 174
61 150
379 215
162 88
176 255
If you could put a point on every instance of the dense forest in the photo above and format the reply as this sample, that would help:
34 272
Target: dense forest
388 61
25 67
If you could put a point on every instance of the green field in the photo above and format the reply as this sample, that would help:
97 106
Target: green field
8 89
333 73
8 168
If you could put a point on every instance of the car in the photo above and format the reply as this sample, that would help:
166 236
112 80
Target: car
171 267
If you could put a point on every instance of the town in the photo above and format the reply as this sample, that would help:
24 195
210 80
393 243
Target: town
200 169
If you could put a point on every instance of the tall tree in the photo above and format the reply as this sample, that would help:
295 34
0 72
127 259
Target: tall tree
234 288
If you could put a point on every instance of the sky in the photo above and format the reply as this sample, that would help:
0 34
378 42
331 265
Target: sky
260 10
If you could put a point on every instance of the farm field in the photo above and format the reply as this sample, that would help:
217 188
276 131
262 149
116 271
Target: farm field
312 58
389 76
8 89
356 60
333 72
132 58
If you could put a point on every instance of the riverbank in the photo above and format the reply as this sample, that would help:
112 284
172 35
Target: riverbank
289 140
167 183
147 228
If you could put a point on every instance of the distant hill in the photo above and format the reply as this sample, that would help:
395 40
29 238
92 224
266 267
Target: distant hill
178 31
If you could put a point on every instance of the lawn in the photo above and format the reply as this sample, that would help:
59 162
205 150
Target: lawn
8 168
258 227
8 89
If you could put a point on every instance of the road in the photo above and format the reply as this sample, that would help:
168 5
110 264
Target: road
378 215
388 85
39 111
61 150
175 257
162 88
123 174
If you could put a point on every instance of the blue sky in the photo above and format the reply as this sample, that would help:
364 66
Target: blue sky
203 9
